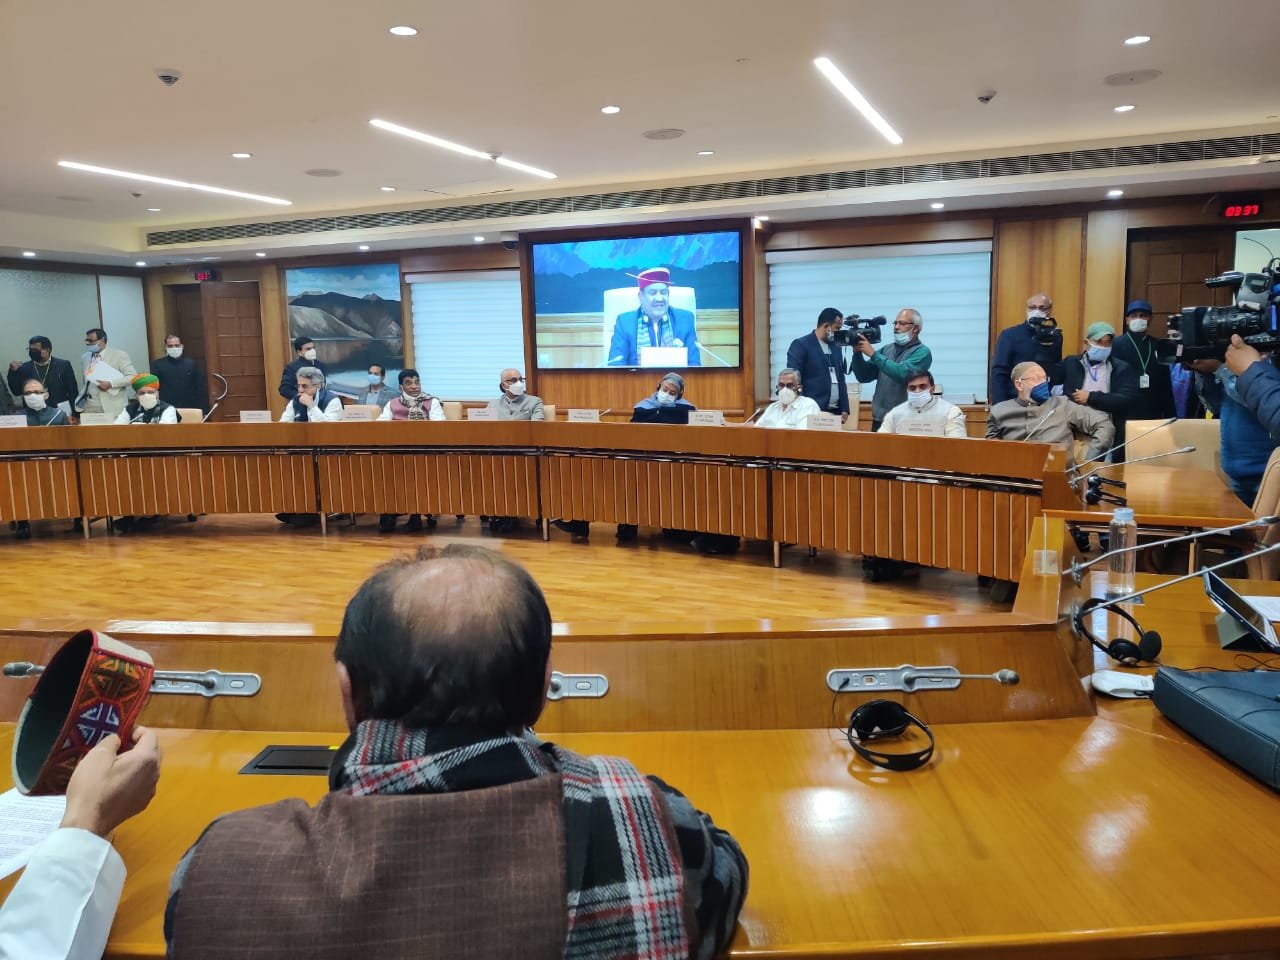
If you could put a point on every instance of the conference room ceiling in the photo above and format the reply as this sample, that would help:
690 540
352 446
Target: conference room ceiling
295 84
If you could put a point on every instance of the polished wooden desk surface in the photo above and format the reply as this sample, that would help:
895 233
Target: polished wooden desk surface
1063 838
1167 497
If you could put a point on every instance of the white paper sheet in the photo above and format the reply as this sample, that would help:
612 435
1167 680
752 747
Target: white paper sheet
24 823
1269 607
101 370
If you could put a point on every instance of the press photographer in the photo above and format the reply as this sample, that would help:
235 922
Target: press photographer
893 364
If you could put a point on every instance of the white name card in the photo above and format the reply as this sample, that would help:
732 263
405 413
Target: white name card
14 420
481 413
923 428
255 416
821 421
584 416
94 420
706 418
350 414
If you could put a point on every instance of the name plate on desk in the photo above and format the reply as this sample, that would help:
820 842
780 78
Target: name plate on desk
255 416
821 421
14 420
351 414
482 413
706 418
923 428
584 416
94 420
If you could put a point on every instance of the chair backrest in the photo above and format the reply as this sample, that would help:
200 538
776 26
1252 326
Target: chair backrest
1204 435
452 409
548 411
623 299
855 405
1266 503
361 411
190 415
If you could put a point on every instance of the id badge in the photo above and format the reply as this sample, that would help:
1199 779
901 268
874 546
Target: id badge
1144 382
832 371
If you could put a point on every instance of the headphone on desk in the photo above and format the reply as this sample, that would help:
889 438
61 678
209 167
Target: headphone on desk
878 720
1125 651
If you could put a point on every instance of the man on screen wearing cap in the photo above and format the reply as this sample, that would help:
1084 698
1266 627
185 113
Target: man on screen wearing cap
1097 379
1138 349
655 323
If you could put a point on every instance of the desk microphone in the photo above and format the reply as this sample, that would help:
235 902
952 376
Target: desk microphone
1154 456
759 410
1007 678
713 355
1077 568
1149 430
1039 423
1149 642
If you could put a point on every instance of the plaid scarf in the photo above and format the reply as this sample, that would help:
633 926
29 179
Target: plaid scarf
418 406
624 877
644 334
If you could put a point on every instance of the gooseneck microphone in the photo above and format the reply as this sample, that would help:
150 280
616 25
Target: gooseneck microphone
1118 446
1154 456
1077 568
1006 678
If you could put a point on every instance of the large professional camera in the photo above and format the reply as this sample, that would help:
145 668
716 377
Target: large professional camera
859 328
1204 333
1046 332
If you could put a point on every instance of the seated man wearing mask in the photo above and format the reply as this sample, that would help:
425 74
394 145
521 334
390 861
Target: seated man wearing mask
790 409
314 401
411 404
1035 415
450 827
513 403
35 398
146 405
924 414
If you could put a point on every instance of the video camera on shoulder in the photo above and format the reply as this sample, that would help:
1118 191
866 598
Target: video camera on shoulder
1045 330
859 328
1204 333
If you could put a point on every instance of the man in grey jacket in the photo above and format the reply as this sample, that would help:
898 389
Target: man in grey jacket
1035 415
514 403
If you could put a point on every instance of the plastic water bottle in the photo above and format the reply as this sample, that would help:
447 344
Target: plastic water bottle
1121 567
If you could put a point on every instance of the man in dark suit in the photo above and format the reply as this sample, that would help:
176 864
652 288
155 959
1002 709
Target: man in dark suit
655 323
57 376
1138 349
182 384
305 348
822 365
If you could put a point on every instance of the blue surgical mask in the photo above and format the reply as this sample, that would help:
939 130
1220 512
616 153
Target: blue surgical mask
901 338
665 399
374 379
1040 392
93 347
1098 354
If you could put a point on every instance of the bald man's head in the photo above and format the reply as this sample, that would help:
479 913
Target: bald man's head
459 636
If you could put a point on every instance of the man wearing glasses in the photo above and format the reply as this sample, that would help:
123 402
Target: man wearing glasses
514 403
893 365
1036 415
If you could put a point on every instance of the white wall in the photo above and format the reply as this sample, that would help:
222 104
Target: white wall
62 306
1249 256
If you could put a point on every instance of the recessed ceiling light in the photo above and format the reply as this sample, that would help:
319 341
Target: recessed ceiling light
139 263
1124 108
165 181
363 246
762 216
936 206
153 209
706 153
611 109
478 239
259 254
387 189
1115 193
242 156
1137 41
458 148
850 93
28 253
403 31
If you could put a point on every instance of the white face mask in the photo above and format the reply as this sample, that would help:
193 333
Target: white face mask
1138 325
174 352
787 396
516 389
309 354
918 400
665 399
147 401
1036 314
34 401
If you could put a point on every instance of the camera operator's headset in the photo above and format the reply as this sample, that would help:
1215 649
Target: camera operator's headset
879 720
1146 650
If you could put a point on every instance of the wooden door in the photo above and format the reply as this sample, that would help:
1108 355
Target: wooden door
1169 267
187 321
233 346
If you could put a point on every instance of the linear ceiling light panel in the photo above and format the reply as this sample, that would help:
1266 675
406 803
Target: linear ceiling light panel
458 148
851 93
165 181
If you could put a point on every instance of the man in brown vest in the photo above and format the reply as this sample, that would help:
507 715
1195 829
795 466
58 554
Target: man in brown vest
450 829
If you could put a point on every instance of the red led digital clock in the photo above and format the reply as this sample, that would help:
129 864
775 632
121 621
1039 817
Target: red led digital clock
1241 210
205 273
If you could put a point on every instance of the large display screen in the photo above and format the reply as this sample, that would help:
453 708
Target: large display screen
665 302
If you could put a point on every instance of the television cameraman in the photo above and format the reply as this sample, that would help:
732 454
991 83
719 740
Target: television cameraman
893 365
1038 341
1258 383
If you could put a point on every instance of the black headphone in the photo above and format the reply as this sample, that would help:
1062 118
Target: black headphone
1125 651
878 719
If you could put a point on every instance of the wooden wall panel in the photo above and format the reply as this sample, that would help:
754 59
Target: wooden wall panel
1035 256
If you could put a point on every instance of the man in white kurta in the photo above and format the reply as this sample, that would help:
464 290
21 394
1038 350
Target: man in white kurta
924 415
790 410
